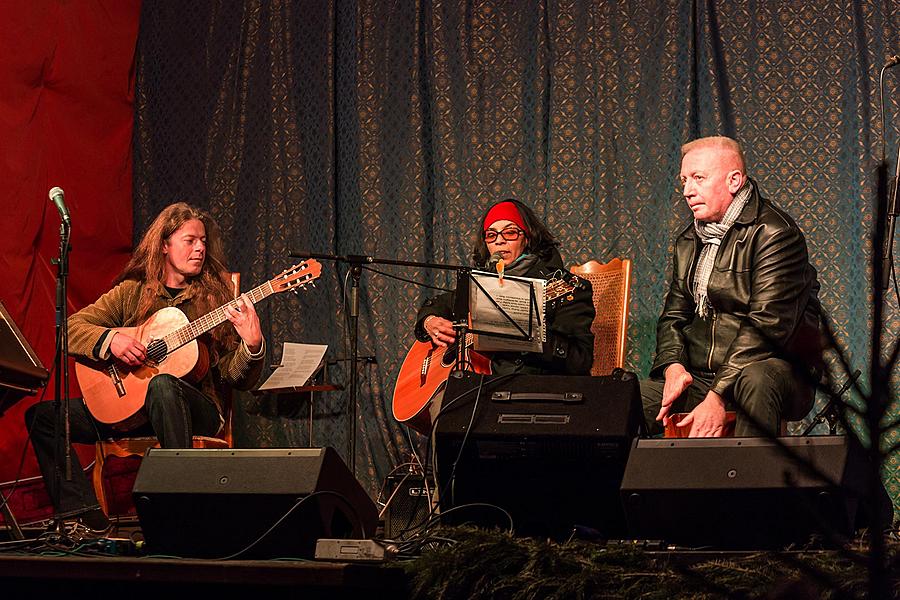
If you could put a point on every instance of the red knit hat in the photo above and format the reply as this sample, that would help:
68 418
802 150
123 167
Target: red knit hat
504 211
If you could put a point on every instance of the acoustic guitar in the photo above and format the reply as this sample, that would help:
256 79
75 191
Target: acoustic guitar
426 367
115 392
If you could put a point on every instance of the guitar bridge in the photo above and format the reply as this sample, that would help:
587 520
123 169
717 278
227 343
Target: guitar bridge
117 381
423 373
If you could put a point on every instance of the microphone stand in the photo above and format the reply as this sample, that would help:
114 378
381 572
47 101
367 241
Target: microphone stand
890 214
461 319
356 262
61 379
889 224
830 412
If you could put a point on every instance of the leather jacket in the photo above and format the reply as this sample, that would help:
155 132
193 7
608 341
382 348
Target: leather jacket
764 297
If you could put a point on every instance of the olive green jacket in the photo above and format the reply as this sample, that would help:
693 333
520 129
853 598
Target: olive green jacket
230 368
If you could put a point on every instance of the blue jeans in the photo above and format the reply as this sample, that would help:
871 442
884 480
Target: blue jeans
175 410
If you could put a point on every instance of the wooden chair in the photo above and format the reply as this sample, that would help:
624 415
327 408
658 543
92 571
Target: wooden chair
611 283
675 430
117 460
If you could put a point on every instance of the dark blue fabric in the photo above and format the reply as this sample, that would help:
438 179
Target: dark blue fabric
385 128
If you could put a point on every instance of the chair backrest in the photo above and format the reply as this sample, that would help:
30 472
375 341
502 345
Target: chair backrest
611 283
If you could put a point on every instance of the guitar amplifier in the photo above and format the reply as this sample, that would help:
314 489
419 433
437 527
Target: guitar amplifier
408 507
550 450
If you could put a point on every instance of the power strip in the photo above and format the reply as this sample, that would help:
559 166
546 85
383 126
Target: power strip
368 551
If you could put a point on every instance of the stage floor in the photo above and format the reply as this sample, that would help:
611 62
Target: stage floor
79 576
27 568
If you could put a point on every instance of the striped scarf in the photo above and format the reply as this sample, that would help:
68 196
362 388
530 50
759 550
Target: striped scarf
711 234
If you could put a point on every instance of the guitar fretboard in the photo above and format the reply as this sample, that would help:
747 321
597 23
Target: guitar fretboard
181 336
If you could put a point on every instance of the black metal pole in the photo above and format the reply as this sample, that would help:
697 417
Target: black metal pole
61 376
356 261
890 223
355 272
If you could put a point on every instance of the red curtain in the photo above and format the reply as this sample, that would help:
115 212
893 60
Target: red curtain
66 106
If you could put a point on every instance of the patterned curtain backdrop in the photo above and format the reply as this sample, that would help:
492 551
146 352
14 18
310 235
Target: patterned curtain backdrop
383 128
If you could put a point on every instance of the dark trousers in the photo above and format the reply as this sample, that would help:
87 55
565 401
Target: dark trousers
763 394
175 411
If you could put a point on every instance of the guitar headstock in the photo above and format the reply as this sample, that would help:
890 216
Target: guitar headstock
560 287
297 276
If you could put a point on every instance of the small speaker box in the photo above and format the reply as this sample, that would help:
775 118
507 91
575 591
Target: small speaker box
408 508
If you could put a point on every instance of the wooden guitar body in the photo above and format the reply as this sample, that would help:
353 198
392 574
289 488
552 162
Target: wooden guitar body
104 398
423 376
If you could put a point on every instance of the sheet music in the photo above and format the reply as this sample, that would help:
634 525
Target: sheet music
298 363
514 296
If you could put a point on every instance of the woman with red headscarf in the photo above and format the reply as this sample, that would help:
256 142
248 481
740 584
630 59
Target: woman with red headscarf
512 232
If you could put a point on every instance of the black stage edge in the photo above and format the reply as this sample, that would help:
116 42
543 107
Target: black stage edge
134 578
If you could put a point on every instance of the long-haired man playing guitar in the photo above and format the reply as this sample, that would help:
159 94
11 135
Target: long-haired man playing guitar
180 262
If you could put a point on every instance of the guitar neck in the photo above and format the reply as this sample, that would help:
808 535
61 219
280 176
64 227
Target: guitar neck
198 327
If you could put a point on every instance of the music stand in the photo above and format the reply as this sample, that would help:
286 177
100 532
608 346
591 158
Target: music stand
355 261
21 371
21 374
534 313
319 382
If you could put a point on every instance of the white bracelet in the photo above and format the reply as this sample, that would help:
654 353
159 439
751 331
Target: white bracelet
425 323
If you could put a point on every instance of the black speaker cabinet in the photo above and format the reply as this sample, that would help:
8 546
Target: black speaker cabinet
214 503
742 493
549 450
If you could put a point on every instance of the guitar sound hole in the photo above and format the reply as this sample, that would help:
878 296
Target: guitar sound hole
449 356
157 350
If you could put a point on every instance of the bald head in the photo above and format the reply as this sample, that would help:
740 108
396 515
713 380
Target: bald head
728 150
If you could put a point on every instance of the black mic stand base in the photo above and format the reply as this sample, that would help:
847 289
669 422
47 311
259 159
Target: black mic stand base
14 530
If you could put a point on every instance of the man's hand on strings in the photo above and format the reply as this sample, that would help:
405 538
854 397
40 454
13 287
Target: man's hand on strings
127 349
242 315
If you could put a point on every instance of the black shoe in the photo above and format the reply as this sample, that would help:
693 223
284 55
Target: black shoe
95 521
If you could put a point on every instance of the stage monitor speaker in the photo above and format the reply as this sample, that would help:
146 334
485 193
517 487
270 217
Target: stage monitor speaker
742 493
214 503
548 449
21 371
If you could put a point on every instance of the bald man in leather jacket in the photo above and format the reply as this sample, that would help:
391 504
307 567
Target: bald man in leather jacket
740 325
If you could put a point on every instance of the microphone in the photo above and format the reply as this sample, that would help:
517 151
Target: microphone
496 262
59 199
892 61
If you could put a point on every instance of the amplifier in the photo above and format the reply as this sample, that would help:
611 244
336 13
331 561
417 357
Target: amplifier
409 505
550 450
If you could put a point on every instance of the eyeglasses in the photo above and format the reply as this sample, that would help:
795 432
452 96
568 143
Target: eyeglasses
510 234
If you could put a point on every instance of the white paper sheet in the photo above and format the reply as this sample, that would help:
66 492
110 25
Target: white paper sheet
298 363
513 295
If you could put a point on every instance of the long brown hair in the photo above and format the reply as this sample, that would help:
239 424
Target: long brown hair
211 288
